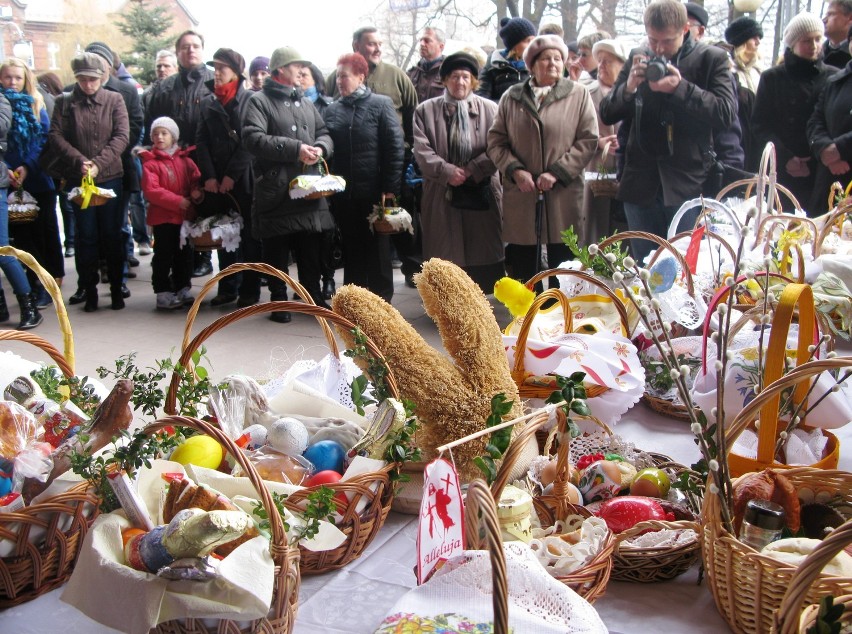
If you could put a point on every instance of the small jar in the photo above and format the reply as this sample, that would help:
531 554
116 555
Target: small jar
762 523
513 513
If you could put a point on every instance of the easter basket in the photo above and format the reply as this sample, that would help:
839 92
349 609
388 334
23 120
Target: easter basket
790 618
218 224
389 219
22 207
604 185
373 488
834 229
90 195
44 539
315 186
589 581
286 577
749 587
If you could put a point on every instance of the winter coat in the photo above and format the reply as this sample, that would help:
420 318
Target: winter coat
91 128
37 181
276 122
390 81
703 101
596 209
498 75
166 180
322 102
831 122
560 138
462 236
368 146
836 56
426 77
179 97
219 151
785 100
5 125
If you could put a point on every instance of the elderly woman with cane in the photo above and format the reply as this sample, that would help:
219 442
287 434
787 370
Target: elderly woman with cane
544 135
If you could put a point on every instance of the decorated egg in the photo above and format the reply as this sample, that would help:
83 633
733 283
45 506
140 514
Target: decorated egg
625 512
201 451
253 437
289 436
327 477
651 482
663 275
601 480
326 455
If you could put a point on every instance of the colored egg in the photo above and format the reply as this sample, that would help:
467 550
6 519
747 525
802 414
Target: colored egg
663 275
625 512
601 480
326 455
201 451
651 482
289 436
327 477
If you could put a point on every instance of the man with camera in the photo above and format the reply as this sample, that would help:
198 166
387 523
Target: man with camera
674 93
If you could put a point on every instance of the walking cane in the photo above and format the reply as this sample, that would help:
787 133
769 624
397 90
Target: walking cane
539 212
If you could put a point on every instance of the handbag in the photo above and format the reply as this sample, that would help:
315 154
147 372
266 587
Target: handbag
470 195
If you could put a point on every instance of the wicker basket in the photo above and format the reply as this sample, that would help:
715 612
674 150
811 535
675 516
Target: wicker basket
206 241
604 187
35 568
749 587
768 189
375 487
835 218
21 216
382 226
285 592
790 619
590 581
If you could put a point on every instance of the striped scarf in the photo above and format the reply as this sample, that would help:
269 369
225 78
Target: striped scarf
460 148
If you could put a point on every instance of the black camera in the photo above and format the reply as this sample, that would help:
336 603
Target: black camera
656 68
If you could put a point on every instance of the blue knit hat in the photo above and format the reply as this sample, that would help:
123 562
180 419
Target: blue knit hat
515 30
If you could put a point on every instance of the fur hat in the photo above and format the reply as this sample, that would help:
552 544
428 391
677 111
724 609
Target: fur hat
696 11
800 26
613 47
742 30
258 63
169 124
459 61
88 65
99 48
515 30
230 58
542 43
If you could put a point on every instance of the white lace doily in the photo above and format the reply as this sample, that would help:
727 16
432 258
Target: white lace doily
226 228
400 219
560 557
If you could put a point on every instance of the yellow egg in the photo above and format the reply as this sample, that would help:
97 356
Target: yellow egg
201 451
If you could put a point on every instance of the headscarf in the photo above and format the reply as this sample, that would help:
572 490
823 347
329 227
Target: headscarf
458 138
25 128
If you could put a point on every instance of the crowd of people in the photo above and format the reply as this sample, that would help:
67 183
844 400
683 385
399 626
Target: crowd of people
491 154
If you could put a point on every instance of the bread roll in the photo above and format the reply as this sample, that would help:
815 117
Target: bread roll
793 551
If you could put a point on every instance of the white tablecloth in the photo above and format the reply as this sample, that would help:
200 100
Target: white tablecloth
354 600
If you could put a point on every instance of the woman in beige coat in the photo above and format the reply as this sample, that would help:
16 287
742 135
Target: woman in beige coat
545 133
460 213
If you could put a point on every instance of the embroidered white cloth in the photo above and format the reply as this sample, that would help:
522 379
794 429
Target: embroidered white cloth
226 228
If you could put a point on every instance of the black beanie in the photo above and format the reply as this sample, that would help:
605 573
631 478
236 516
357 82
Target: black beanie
742 30
515 30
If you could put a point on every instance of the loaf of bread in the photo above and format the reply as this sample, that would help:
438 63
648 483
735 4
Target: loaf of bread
17 429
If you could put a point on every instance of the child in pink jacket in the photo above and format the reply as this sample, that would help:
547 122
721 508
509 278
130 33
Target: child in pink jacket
171 183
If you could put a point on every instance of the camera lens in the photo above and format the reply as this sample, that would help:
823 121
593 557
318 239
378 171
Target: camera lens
656 70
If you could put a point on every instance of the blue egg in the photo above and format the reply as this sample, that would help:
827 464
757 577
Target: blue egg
663 275
5 486
326 455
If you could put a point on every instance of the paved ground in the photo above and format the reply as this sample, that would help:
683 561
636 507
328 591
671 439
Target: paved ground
254 345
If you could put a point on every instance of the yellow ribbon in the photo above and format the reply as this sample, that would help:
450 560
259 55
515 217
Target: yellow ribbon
87 190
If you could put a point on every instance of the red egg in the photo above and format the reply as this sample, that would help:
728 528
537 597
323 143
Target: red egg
328 477
625 512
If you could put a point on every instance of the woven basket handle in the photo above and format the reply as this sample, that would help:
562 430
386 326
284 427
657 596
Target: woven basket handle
838 215
704 204
519 373
516 448
688 234
786 618
55 294
481 511
805 371
278 544
787 220
655 525
259 309
38 342
263 269
643 235
591 279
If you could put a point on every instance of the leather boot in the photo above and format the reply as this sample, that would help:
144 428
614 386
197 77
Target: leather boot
91 299
30 317
4 310
116 297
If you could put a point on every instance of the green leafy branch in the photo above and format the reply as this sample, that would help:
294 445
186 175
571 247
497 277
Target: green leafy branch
596 262
81 392
375 368
499 441
402 446
320 507
828 617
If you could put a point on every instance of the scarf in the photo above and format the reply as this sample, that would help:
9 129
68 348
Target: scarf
539 93
25 128
312 93
227 92
518 64
458 138
359 92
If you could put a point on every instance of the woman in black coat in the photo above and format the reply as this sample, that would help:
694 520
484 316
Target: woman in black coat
830 136
226 168
369 155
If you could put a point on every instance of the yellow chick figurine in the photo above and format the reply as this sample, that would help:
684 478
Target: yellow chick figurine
516 297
